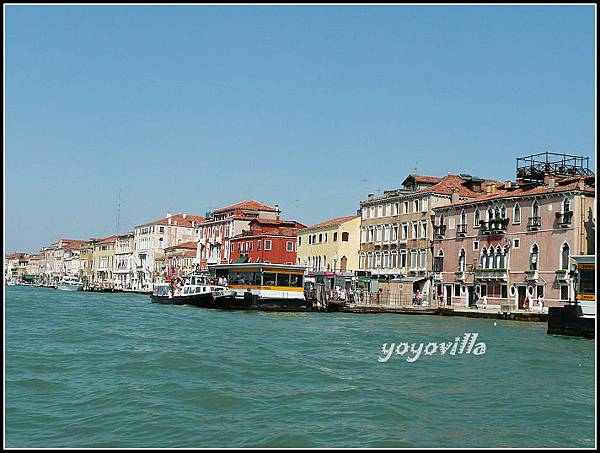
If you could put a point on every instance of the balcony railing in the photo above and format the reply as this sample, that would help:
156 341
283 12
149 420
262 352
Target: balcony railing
491 274
562 275
564 219
439 231
461 229
460 276
534 223
531 275
494 226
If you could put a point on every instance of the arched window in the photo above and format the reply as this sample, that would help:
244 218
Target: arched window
535 209
497 213
517 213
566 205
441 219
564 256
441 253
463 217
503 212
490 213
462 260
534 256
476 218
498 258
483 257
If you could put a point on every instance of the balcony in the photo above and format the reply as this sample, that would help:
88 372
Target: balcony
531 275
494 226
439 231
534 223
460 276
562 275
437 276
564 219
491 274
461 230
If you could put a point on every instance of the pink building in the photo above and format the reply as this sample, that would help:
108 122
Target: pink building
513 245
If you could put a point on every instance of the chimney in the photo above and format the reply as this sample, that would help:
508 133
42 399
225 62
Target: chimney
582 184
508 184
551 184
184 215
169 217
371 195
169 214
454 196
193 223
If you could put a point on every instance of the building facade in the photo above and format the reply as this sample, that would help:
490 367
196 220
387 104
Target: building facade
513 246
181 260
103 261
215 233
266 241
396 237
123 269
150 241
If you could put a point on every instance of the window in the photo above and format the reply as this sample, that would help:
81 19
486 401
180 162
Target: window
363 235
462 260
539 290
456 290
378 238
475 245
388 210
372 212
416 205
476 218
386 260
504 291
335 237
404 231
403 258
364 213
535 209
361 261
463 217
267 244
425 204
394 232
320 237
290 246
564 292
380 211
259 242
424 229
396 209
415 230
483 290
371 234
377 259
345 236
405 208
386 233
564 256
533 257
517 243
394 262
413 260
299 242
566 205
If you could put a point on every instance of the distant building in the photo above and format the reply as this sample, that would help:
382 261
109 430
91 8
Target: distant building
123 268
152 238
103 260
223 224
180 259
266 241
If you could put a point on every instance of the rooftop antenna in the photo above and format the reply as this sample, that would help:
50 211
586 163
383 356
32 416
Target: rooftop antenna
118 210
416 164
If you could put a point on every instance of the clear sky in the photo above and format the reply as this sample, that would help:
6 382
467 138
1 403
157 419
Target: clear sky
188 108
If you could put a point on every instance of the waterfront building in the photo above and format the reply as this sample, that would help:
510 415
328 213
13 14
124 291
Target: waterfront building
223 224
329 250
103 261
396 239
32 270
512 246
181 259
86 261
54 258
266 241
13 266
150 241
123 269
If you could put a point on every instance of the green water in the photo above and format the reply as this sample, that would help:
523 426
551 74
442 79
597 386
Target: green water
114 370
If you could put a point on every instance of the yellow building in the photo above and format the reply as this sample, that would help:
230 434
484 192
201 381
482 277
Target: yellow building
330 248
103 257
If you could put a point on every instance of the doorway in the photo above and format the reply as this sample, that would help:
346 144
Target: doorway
521 295
471 294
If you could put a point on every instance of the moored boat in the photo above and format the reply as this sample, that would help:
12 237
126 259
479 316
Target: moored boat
196 291
70 283
265 286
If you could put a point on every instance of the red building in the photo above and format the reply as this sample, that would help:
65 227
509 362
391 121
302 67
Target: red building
266 241
181 259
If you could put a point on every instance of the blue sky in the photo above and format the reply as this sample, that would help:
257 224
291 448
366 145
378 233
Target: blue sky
192 107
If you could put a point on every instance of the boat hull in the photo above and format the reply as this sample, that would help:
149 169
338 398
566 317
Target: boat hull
568 320
70 287
230 302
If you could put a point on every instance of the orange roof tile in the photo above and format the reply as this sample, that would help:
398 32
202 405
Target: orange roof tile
332 222
247 204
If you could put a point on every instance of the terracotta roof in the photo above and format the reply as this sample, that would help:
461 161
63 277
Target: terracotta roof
422 179
450 183
526 191
183 253
107 240
192 245
73 244
247 204
332 222
181 221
